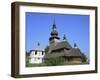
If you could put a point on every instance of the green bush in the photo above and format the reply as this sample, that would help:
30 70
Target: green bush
46 49
84 58
54 61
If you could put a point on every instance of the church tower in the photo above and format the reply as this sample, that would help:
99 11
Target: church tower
54 39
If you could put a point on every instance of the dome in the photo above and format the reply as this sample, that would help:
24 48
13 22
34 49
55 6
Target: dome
54 37
54 32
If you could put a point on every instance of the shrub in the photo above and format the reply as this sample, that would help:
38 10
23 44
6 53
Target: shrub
54 61
84 58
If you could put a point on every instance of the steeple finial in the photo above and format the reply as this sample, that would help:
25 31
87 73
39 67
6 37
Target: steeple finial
54 24
38 44
64 37
75 45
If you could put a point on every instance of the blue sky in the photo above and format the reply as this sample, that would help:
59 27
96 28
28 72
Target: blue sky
39 27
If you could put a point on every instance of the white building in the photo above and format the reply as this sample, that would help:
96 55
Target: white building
37 56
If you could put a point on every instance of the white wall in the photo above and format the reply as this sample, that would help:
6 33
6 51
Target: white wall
5 41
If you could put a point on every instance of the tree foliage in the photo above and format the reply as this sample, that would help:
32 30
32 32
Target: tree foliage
54 61
46 49
84 58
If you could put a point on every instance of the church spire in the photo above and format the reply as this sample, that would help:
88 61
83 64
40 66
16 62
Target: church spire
54 33
54 25
38 44
64 37
75 46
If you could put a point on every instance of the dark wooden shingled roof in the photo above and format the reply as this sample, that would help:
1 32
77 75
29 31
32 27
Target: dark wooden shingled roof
74 52
63 52
61 45
55 54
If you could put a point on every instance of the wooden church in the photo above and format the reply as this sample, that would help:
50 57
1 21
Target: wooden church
62 48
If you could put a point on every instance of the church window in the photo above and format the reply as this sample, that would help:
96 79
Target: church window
42 52
35 52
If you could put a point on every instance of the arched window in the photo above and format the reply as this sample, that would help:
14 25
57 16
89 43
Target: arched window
35 52
42 53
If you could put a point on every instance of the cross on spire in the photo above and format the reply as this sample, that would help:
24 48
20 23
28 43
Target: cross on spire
38 44
54 24
54 21
75 45
64 37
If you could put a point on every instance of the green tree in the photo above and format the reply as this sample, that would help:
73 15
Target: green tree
27 59
46 49
84 58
